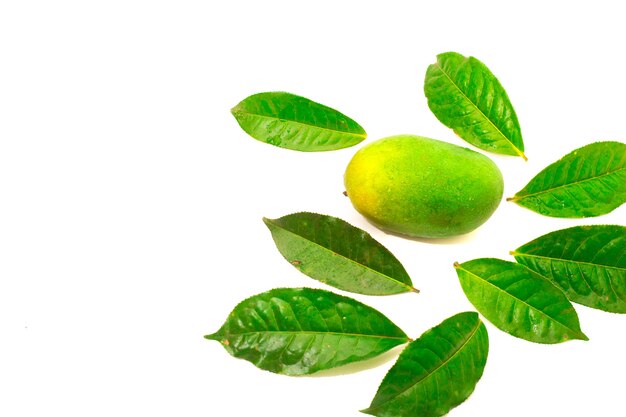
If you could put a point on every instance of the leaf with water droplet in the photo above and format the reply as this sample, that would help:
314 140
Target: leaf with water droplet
588 182
293 122
436 372
587 262
336 253
519 301
466 97
298 331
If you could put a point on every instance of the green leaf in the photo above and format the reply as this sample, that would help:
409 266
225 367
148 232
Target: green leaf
338 254
297 331
466 97
297 123
587 182
587 262
436 372
519 301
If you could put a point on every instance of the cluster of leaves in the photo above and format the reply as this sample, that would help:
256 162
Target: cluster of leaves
299 331
466 97
531 299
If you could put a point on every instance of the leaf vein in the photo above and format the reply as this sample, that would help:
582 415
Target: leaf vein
569 184
577 332
509 141
434 371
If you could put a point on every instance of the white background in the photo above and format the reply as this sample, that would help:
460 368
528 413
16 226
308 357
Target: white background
131 201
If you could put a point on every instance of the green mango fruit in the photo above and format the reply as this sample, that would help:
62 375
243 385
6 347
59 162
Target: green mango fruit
421 187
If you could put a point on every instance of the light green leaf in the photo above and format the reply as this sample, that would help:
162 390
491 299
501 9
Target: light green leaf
338 254
519 301
587 182
436 372
466 97
297 331
587 262
293 122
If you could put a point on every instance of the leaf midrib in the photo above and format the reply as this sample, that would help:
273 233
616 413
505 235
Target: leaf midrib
315 333
241 112
409 287
519 152
573 331
434 371
515 253
519 197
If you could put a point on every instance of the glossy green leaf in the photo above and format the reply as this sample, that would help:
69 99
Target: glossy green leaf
466 97
436 372
519 301
587 262
338 254
588 182
297 123
297 331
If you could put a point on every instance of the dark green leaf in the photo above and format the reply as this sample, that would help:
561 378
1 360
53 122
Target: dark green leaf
297 331
466 97
295 122
336 253
519 301
587 262
588 182
436 372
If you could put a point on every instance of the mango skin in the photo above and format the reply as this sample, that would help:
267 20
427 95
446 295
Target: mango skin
421 187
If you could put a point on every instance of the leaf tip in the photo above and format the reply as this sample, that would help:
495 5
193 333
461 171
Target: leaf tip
218 336
235 111
213 336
